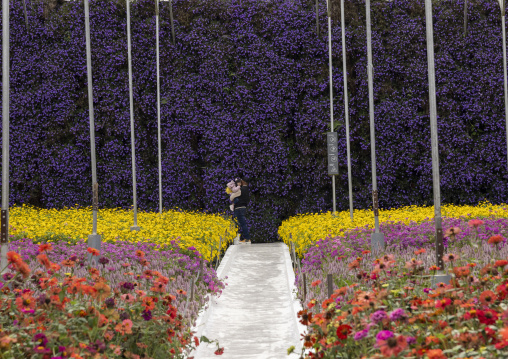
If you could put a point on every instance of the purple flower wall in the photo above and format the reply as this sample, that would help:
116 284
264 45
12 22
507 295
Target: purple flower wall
245 92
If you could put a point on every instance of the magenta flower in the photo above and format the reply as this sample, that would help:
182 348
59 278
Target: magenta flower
378 316
397 314
384 335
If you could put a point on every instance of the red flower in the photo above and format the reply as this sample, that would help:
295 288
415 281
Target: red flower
488 297
501 263
475 223
487 316
93 251
343 331
13 257
46 247
315 283
219 351
435 354
496 239
461 271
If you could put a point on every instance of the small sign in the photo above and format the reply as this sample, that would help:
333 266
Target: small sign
333 156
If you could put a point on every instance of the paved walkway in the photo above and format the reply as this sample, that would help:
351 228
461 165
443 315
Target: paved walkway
255 316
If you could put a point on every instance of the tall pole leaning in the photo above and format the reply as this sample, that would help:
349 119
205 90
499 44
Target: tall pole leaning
158 101
134 227
377 241
502 5
4 238
94 239
331 88
346 109
440 276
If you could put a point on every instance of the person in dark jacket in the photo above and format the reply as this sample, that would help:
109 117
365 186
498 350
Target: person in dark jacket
241 209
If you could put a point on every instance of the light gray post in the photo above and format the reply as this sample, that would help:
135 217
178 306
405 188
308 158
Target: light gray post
171 19
331 88
5 133
26 15
94 239
441 276
377 238
346 109
158 101
131 106
505 83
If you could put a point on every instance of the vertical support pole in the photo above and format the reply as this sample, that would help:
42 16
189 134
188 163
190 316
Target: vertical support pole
26 15
329 282
317 18
94 239
377 238
440 276
158 101
331 88
134 227
465 17
171 19
218 254
192 289
346 109
304 286
5 132
505 80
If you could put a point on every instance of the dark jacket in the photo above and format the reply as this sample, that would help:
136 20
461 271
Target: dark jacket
244 198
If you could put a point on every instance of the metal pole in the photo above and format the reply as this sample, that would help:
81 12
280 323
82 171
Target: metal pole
26 15
131 106
440 277
465 17
317 17
158 101
5 133
331 87
94 239
171 19
377 238
505 81
346 109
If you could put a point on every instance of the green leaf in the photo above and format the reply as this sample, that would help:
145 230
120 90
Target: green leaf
204 339
291 349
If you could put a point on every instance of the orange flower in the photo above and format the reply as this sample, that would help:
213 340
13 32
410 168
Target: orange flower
25 302
181 291
435 354
46 247
504 333
315 283
102 289
452 232
68 263
488 297
44 260
354 264
93 251
158 287
148 303
475 223
23 268
496 239
420 251
140 254
461 272
124 327
392 346
450 257
13 257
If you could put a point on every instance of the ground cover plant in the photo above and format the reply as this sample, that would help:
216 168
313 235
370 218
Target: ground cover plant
383 305
133 301
208 233
257 67
307 230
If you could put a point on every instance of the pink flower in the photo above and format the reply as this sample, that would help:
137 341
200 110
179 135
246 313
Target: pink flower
129 298
475 223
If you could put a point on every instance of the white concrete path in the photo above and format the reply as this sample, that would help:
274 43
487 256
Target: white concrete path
255 316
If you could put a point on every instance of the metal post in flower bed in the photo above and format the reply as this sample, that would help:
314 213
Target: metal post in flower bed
5 133
94 239
158 102
377 240
134 227
440 276
502 5
329 284
346 109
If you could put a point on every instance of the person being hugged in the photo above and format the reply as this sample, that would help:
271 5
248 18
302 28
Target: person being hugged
240 209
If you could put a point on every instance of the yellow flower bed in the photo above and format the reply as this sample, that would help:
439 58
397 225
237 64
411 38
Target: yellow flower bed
70 224
305 229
